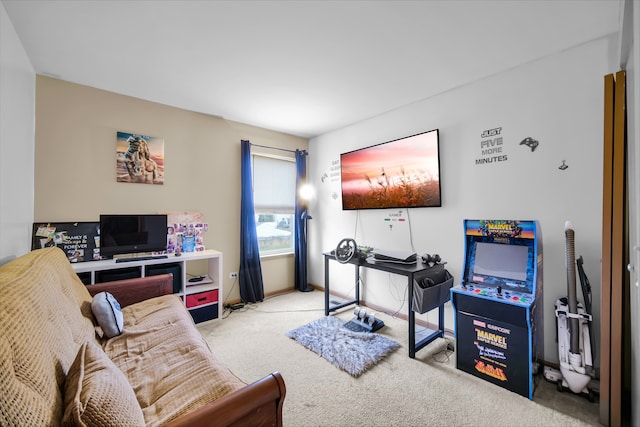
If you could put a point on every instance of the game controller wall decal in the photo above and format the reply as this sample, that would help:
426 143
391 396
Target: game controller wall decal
531 143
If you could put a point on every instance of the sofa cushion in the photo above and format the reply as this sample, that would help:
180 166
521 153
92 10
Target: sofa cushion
97 393
45 315
108 313
166 360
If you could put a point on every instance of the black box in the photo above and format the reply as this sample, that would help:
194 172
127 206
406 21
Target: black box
118 274
208 312
173 268
85 277
431 288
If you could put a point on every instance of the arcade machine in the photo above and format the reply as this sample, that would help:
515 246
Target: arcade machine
498 304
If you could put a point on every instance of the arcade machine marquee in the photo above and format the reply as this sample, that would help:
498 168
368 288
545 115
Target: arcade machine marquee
498 304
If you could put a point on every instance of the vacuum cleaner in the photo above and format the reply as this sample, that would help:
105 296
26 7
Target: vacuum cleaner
575 338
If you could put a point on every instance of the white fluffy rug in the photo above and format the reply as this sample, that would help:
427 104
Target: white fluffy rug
353 352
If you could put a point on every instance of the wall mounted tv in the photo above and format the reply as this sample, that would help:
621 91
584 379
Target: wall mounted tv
126 234
403 173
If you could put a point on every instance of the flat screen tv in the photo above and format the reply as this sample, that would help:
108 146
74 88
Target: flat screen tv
126 234
403 173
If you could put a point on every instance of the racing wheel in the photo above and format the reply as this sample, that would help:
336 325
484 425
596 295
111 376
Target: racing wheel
345 250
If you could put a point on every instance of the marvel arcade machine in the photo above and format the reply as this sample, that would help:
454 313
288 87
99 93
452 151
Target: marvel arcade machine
498 304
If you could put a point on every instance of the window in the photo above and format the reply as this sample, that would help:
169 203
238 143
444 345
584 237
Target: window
274 189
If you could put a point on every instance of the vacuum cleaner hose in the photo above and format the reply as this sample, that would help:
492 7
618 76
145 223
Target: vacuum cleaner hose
574 324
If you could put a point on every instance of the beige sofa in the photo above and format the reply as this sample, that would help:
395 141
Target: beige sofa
55 370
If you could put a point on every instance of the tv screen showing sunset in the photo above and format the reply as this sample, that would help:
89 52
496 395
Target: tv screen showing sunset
403 173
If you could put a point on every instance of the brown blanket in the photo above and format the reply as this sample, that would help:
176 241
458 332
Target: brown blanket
166 360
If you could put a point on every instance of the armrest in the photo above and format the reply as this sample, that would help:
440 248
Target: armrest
131 291
257 404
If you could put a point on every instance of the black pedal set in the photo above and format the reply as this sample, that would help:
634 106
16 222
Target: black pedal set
363 321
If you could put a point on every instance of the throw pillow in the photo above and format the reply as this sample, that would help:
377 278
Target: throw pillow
108 313
97 393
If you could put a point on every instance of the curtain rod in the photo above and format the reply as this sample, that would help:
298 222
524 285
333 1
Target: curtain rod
275 148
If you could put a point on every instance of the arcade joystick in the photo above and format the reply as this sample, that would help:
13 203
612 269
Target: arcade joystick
500 290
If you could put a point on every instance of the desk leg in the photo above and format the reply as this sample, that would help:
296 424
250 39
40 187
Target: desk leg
326 286
357 284
327 293
412 321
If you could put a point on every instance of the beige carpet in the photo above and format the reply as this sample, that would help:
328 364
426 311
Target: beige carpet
399 391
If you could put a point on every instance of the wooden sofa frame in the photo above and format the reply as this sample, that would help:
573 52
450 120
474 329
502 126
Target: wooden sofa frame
257 404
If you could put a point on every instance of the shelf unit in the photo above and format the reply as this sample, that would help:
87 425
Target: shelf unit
202 299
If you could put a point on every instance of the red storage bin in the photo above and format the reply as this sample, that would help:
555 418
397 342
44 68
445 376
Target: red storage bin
208 297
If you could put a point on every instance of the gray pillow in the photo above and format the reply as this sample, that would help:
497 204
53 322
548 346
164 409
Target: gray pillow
108 313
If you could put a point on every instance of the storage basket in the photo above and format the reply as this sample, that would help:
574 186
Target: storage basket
436 282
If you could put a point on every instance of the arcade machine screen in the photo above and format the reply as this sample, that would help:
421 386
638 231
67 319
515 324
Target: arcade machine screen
501 261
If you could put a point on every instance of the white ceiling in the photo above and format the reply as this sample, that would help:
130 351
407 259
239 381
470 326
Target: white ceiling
300 67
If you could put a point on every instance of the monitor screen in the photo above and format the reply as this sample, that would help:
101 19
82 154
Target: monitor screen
403 173
123 234
499 260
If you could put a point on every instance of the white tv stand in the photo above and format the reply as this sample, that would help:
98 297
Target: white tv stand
203 299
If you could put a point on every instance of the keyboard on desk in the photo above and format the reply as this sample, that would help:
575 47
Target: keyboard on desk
141 258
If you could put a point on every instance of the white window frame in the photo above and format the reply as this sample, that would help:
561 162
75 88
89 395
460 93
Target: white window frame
280 210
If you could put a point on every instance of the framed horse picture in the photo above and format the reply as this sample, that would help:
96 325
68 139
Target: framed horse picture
139 159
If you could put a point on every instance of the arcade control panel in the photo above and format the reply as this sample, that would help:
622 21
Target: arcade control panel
496 294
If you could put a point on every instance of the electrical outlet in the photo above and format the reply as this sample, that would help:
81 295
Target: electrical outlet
233 275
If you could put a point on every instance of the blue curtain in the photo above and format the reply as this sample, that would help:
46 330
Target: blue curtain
250 272
301 218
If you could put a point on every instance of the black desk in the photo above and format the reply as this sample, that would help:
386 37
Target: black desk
409 271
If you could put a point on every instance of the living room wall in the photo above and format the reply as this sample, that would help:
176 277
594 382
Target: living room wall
75 174
558 101
17 98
